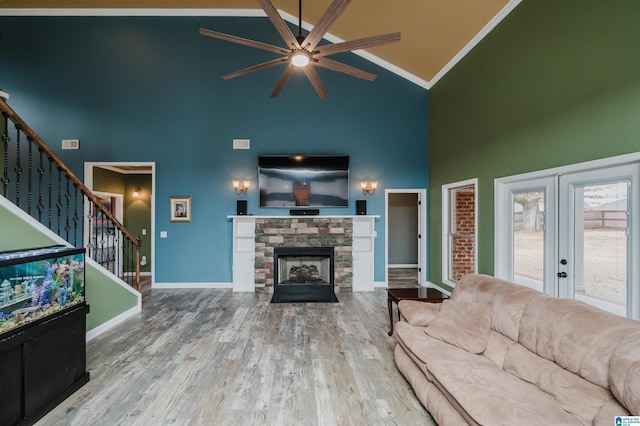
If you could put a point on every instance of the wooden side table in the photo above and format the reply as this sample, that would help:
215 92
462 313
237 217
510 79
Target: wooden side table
421 294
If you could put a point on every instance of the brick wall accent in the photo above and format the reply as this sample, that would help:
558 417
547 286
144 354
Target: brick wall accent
304 232
463 247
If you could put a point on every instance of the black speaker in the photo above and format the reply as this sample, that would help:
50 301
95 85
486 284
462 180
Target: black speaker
241 207
361 207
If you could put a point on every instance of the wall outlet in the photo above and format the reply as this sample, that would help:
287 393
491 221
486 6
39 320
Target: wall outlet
144 232
163 234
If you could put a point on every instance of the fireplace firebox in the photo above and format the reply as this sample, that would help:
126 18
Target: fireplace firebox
303 274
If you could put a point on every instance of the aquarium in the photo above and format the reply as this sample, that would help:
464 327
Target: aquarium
39 282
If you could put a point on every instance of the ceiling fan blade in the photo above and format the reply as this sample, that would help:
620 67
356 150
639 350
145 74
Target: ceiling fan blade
258 67
279 23
244 41
283 80
344 68
314 78
324 23
361 43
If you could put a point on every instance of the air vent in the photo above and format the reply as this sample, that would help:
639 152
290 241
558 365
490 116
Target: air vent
241 144
70 144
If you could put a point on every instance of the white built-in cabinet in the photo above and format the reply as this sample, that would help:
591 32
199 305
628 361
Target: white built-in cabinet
244 251
243 269
362 250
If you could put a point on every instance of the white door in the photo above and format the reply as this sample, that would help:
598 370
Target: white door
419 238
419 226
573 233
595 248
529 234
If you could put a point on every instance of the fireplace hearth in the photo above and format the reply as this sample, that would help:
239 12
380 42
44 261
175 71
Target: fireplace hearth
303 274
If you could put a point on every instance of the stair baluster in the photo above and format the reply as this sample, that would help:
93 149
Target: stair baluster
107 241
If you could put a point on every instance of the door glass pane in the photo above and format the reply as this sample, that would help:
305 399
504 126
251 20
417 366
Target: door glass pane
601 245
528 239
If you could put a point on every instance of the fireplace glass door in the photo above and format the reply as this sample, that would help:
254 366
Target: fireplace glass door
303 274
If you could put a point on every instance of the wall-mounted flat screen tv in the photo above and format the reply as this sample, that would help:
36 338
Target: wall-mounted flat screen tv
299 181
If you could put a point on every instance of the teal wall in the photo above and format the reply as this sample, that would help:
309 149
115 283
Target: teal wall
555 83
148 89
106 298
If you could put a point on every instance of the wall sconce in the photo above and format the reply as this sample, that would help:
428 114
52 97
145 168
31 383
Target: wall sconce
241 186
137 192
369 188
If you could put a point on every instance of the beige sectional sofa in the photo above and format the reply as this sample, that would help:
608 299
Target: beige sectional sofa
498 353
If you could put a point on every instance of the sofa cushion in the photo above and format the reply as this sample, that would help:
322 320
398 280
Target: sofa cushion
491 396
576 336
610 410
465 325
507 300
624 372
427 392
427 349
497 347
574 394
418 313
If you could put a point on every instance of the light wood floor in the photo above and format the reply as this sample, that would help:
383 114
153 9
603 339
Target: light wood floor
214 357
403 277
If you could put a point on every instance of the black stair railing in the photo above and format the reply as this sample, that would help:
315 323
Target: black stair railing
34 178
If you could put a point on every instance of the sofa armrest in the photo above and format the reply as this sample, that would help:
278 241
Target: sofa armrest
416 313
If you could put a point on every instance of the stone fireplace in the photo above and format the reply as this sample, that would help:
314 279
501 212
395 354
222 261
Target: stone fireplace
303 274
255 239
334 233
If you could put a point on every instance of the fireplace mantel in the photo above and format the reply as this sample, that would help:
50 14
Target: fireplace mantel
254 238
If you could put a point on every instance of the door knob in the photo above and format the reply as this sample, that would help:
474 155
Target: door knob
562 275
563 261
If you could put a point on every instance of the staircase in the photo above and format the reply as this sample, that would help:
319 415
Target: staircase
34 178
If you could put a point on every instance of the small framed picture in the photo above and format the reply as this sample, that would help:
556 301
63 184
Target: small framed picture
180 209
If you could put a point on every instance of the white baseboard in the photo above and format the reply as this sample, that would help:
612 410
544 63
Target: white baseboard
191 285
403 265
382 284
95 332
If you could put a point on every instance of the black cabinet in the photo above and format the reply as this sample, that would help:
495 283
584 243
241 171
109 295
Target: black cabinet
41 364
42 331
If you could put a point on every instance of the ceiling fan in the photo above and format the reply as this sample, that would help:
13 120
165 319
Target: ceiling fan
304 52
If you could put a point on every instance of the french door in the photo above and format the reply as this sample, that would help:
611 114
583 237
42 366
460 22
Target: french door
596 262
573 234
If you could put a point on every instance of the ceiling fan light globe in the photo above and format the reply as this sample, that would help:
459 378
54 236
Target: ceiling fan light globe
300 59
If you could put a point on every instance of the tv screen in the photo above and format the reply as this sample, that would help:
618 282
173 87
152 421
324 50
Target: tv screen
299 181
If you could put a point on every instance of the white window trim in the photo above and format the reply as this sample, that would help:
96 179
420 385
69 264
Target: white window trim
446 214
